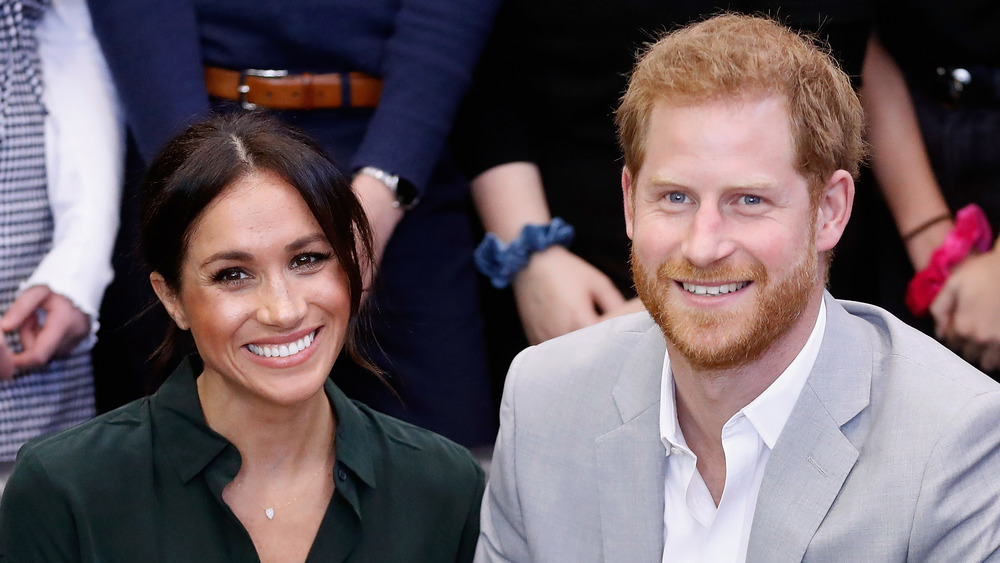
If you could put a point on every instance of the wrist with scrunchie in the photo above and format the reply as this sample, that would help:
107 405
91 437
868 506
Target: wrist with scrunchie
500 261
971 232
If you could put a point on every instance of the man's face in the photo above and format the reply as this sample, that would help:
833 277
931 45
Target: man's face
724 246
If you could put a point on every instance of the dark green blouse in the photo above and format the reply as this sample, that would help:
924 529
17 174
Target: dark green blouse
144 483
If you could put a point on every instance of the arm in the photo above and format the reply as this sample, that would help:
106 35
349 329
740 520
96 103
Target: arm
428 66
154 57
958 507
502 535
36 522
470 532
557 292
84 159
899 159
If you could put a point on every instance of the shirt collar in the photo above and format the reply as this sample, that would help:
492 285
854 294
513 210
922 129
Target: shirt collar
192 445
769 412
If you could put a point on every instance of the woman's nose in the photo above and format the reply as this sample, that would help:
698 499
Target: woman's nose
281 304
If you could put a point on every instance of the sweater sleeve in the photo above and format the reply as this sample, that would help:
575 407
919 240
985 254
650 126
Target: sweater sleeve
428 66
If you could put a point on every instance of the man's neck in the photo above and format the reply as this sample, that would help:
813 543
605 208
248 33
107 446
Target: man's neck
707 399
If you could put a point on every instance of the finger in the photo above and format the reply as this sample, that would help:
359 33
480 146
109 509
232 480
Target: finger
607 296
28 332
6 360
41 348
991 358
972 351
24 307
943 307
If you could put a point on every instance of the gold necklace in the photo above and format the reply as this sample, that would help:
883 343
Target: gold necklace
269 509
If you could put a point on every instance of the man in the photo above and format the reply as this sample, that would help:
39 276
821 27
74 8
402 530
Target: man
749 416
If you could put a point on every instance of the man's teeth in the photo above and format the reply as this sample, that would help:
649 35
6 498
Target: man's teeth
283 350
714 289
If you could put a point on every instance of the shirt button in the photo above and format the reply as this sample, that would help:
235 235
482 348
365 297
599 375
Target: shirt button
341 474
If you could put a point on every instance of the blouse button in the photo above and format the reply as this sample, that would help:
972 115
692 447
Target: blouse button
341 474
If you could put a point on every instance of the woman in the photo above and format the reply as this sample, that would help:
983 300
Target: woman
248 451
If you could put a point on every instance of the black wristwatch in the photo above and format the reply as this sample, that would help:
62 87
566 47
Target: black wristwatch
404 192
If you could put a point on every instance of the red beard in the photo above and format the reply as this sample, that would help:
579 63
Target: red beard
717 339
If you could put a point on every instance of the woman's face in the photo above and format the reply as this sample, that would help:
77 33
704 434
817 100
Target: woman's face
262 293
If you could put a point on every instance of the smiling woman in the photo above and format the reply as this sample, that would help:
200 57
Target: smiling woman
248 451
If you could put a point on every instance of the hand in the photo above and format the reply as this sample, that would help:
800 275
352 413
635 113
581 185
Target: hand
633 305
558 292
383 216
65 326
967 311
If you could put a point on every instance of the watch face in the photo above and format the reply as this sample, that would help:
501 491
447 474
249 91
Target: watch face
406 193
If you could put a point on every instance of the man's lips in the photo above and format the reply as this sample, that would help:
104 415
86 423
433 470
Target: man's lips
722 289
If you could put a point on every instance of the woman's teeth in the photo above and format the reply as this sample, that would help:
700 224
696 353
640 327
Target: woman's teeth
714 289
283 350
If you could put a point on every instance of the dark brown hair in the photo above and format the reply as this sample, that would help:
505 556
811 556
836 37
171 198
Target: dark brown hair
203 161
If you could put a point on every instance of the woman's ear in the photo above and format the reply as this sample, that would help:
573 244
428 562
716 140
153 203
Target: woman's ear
169 300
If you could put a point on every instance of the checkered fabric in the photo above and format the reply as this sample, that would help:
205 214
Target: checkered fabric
61 394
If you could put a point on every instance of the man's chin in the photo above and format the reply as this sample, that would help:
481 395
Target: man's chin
727 343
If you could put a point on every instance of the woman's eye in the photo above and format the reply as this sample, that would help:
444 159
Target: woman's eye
676 197
750 199
309 259
230 276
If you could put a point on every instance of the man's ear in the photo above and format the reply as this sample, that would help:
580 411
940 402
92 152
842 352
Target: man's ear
628 199
834 210
169 300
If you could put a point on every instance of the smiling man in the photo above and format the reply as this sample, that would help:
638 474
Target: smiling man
748 416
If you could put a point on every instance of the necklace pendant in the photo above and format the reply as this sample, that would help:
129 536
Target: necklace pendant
270 513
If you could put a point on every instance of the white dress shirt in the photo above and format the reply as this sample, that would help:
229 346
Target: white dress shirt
84 157
694 528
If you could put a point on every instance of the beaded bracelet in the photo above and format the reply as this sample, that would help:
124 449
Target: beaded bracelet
971 232
500 261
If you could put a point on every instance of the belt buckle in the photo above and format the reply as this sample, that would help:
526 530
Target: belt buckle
244 88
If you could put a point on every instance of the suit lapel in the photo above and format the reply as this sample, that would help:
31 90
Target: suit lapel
631 460
812 457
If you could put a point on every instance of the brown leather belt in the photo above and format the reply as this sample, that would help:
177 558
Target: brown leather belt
277 89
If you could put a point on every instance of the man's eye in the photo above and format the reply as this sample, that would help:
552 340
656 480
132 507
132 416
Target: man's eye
676 197
751 199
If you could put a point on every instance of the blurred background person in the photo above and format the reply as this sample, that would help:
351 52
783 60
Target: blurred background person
377 84
60 176
932 88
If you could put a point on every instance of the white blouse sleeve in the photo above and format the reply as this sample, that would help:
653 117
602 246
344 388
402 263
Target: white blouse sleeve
84 148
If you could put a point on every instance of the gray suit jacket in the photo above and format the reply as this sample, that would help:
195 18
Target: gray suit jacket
891 453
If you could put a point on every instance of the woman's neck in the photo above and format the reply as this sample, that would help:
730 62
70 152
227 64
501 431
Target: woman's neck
272 439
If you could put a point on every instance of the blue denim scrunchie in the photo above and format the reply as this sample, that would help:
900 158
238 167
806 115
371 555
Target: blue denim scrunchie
499 261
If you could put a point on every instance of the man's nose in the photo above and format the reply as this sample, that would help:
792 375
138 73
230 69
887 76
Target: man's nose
708 238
